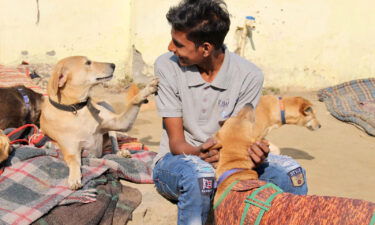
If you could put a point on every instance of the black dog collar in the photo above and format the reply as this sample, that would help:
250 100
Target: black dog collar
70 108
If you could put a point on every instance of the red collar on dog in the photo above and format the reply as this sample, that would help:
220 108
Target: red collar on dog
282 111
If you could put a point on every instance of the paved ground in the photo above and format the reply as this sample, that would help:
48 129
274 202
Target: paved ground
339 159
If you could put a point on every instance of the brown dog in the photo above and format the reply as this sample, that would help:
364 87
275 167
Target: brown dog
4 146
273 112
77 121
243 199
18 106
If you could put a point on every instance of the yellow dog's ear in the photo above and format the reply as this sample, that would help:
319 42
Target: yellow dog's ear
221 122
247 113
305 107
58 79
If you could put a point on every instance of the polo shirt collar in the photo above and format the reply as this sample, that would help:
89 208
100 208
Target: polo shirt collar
194 78
221 80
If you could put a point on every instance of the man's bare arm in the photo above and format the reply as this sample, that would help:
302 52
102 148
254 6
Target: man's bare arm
177 141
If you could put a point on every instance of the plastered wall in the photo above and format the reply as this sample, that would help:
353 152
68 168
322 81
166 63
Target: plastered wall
298 44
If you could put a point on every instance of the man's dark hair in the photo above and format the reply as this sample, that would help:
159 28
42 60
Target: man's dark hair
203 20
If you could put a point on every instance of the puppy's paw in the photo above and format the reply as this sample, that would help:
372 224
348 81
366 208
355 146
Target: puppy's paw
124 153
274 149
151 87
4 147
74 182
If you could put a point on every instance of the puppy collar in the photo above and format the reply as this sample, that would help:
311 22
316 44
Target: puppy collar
69 108
282 111
226 174
25 97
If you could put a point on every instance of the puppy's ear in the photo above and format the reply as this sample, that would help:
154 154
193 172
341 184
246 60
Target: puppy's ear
306 108
58 79
247 112
221 122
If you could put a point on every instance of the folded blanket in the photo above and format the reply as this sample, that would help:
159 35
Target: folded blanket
114 205
34 180
352 101
13 76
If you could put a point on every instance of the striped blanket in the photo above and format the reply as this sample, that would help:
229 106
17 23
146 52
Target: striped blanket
34 180
13 76
114 205
352 101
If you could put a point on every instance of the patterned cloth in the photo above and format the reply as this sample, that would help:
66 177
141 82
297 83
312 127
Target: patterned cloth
34 180
353 101
13 76
114 205
287 209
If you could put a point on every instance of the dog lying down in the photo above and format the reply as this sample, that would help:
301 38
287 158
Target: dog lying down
76 120
243 199
19 105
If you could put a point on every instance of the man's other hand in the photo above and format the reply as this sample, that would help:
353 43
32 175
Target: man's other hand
258 152
209 154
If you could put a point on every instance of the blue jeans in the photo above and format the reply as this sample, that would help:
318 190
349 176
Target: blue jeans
188 181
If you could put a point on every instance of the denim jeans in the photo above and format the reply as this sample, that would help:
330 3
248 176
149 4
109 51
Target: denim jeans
188 181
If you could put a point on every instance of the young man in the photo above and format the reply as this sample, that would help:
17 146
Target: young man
202 83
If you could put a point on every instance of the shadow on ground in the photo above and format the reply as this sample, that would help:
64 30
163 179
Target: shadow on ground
296 153
147 141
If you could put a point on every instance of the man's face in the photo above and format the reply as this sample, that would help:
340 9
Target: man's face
185 49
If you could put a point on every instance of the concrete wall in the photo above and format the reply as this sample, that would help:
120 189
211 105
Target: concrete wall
311 43
304 44
95 28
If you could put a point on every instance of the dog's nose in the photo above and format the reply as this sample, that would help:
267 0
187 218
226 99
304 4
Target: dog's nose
113 66
319 126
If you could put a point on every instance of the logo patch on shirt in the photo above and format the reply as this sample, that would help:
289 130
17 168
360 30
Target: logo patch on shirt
296 176
223 103
206 184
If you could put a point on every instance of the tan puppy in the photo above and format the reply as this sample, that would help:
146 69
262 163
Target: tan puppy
243 199
297 110
76 121
4 146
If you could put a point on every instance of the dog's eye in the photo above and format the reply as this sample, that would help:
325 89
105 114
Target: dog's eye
308 109
88 62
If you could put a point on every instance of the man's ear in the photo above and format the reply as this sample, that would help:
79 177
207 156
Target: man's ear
58 79
207 48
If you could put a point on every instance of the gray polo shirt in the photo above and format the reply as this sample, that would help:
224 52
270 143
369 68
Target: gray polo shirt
183 93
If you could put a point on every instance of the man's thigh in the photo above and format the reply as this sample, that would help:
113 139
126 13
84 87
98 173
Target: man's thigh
285 172
173 173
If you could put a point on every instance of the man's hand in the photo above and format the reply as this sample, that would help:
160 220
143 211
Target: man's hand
258 152
209 155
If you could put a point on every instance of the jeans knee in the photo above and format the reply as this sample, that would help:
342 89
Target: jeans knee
284 172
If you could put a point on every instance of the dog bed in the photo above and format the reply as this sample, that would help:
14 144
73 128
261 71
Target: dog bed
353 102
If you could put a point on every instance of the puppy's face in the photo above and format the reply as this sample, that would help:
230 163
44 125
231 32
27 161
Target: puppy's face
303 114
79 72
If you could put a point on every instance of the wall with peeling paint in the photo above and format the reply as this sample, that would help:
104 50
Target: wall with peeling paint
311 44
305 44
95 28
